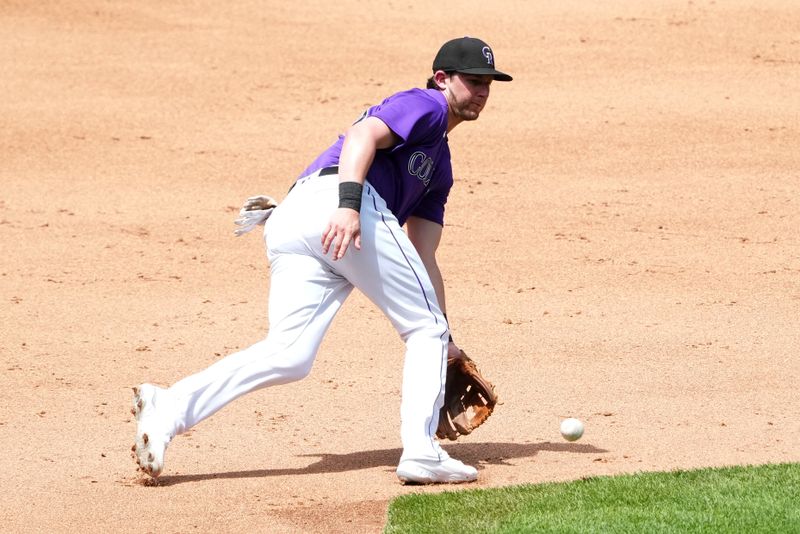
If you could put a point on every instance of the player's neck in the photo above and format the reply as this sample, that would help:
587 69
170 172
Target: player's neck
452 120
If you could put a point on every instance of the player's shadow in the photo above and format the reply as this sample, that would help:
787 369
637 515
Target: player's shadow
477 454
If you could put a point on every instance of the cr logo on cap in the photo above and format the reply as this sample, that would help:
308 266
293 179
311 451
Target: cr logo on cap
487 53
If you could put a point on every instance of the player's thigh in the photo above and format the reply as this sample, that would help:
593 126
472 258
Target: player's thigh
304 298
389 271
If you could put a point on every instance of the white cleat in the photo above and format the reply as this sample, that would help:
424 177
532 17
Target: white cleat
449 471
152 434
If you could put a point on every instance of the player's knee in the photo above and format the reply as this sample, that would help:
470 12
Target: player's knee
292 375
293 366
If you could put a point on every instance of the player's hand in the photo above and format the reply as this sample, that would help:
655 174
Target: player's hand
344 228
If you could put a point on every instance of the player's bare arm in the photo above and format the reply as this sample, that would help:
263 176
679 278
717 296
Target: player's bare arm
360 143
426 235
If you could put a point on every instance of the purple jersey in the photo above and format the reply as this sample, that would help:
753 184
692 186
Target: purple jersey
415 176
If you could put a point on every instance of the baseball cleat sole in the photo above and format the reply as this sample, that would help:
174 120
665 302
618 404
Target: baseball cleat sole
151 439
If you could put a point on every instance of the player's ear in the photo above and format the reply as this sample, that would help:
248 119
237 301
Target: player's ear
439 79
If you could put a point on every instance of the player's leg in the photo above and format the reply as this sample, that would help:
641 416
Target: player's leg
390 272
304 298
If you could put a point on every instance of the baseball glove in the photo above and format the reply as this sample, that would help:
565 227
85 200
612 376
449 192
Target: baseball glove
469 399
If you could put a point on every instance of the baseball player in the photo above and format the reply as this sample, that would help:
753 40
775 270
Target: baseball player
340 227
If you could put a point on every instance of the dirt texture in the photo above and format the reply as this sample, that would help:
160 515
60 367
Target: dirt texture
622 246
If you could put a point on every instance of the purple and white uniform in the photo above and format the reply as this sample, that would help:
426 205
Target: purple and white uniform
307 287
415 176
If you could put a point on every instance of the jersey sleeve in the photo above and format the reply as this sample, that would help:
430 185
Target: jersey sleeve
431 207
412 116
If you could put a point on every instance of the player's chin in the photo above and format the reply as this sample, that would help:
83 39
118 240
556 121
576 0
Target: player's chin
469 114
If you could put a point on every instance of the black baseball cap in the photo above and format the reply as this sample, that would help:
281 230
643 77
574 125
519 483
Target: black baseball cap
470 56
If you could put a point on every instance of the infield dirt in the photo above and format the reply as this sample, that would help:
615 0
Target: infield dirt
622 246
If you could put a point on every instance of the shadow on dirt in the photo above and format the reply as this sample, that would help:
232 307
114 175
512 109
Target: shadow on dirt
478 454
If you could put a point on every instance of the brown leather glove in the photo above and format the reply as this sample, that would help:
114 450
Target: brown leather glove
469 399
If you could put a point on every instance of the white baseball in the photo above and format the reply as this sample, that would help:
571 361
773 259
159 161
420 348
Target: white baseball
571 429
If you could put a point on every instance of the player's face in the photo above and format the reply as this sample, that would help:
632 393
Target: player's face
467 94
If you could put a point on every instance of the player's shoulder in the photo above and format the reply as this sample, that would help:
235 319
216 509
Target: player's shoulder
414 114
428 98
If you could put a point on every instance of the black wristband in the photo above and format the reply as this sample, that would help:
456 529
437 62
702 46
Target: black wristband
350 195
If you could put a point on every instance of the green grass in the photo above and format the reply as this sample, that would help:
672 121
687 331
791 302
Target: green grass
735 499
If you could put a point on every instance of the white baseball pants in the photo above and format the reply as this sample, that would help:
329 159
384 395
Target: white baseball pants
307 288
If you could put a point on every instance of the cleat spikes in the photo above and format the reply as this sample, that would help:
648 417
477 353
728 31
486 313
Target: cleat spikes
153 432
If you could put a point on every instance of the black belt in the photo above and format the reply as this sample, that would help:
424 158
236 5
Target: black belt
327 171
